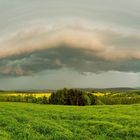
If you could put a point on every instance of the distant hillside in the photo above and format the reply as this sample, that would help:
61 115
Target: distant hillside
116 89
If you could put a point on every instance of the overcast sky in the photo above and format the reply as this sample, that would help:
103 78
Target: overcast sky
69 43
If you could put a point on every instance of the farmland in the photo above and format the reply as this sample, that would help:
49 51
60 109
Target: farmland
54 122
47 116
26 94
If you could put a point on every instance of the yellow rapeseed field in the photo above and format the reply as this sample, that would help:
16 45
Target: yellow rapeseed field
27 94
101 94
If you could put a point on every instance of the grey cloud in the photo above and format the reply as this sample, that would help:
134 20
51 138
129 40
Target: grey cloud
105 43
119 13
78 47
63 57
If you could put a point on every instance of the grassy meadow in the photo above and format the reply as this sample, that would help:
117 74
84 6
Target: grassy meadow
27 121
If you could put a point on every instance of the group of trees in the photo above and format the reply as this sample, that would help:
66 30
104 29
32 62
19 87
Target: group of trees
72 97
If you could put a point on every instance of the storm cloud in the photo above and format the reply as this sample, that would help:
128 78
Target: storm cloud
33 50
63 43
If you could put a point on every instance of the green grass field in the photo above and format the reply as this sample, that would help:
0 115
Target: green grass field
25 121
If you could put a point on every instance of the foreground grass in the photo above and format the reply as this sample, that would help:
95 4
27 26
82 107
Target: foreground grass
24 121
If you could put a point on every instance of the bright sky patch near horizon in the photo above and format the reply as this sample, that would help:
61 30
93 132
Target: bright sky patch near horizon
78 43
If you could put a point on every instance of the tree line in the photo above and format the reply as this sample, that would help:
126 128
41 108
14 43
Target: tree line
74 97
